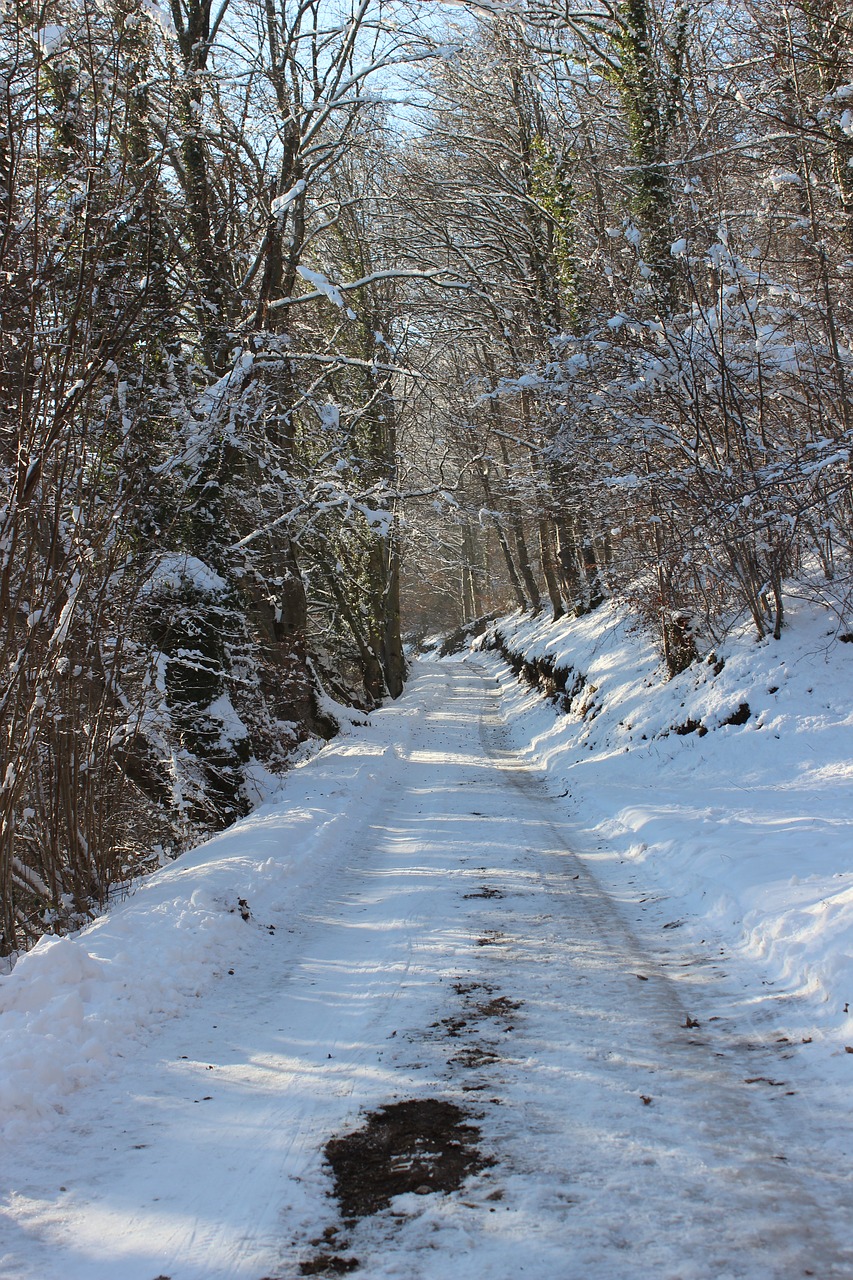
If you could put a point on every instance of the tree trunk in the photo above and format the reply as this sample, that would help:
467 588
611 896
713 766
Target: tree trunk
568 566
548 568
393 658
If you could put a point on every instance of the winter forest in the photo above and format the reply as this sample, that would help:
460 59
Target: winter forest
326 322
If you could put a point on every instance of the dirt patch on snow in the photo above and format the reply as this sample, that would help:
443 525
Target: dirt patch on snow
475 1056
328 1260
419 1146
328 1264
500 1007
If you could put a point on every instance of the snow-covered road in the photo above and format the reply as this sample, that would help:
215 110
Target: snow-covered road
438 939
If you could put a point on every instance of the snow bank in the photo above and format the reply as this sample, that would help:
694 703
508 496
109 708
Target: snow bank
728 787
72 1008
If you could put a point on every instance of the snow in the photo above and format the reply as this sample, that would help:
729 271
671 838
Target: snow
160 16
175 569
666 1092
178 929
233 729
323 285
283 202
746 832
330 416
51 37
780 178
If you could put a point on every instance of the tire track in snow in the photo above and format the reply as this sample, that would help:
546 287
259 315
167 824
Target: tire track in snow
784 1230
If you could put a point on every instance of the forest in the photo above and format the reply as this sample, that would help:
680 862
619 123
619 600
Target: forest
329 324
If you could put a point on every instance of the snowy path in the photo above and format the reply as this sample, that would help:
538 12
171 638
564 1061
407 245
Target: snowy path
451 947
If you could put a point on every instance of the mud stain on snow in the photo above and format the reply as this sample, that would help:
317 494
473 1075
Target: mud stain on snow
475 1056
328 1264
325 1262
421 1145
500 1007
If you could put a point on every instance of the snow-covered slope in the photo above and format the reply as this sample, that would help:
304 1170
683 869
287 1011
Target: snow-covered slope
743 831
73 1008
